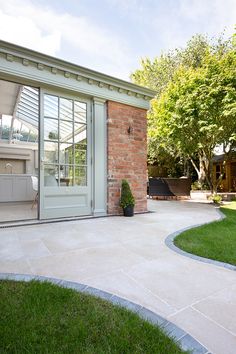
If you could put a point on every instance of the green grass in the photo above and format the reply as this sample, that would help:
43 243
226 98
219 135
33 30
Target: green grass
44 318
215 241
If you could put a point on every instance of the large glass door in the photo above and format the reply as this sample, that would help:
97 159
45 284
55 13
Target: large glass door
65 152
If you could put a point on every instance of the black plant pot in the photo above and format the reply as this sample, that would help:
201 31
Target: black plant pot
129 210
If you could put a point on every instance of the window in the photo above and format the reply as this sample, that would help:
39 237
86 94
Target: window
23 126
65 141
219 171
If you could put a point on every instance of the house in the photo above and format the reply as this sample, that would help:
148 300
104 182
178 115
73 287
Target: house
228 183
78 131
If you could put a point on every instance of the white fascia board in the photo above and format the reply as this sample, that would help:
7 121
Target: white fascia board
43 69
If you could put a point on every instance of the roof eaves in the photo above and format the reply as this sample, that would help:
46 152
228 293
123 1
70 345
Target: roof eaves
60 64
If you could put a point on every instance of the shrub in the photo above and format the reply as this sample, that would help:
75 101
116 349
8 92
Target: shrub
197 186
127 197
216 198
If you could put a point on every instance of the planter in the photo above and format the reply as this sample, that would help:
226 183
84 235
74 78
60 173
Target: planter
129 210
200 194
127 201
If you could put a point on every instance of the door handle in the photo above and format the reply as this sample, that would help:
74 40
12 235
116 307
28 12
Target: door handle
42 162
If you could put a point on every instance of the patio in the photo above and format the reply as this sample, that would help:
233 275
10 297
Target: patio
128 257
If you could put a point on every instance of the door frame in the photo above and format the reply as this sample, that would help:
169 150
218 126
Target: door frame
66 191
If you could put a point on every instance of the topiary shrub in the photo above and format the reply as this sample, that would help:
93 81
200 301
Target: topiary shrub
127 198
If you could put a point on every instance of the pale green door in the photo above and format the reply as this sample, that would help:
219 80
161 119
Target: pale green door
65 156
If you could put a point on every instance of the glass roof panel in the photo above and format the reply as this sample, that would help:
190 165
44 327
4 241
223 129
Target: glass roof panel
23 124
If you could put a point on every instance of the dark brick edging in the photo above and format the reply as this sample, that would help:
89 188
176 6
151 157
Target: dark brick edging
185 340
169 241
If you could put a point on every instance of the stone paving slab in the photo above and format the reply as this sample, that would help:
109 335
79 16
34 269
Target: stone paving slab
128 257
129 305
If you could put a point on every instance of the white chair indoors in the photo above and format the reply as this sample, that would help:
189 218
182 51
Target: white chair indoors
34 180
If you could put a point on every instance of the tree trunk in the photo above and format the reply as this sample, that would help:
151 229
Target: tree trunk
186 168
206 161
201 172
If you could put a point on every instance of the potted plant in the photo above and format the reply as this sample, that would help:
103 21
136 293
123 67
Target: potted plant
127 201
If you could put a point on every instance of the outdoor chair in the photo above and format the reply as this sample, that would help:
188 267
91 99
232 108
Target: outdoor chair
34 180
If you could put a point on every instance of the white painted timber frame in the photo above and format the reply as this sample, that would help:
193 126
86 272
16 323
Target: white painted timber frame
99 157
27 67
36 68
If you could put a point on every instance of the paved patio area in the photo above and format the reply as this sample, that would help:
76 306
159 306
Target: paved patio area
128 257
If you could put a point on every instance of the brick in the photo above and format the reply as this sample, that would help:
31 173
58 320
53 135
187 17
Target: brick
127 154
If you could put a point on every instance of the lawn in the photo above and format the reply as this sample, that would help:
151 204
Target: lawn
45 318
215 241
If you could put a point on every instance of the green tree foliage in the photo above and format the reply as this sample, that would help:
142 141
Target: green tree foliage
195 110
158 73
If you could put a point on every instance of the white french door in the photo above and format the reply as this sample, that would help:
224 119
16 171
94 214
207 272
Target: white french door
65 156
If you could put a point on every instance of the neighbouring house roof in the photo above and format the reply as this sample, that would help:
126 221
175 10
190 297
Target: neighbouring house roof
33 67
220 158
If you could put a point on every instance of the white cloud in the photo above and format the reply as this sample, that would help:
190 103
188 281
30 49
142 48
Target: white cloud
45 30
156 25
189 17
24 31
127 7
215 15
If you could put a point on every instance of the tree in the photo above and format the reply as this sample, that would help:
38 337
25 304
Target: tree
195 110
158 73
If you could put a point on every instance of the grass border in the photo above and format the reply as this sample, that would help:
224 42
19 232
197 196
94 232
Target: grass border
185 340
169 241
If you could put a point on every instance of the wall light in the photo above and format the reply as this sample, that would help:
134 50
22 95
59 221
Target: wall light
129 130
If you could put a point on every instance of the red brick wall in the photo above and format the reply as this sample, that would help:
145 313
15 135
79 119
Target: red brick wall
127 154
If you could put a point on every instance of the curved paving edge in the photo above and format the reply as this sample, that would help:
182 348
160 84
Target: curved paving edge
169 241
185 340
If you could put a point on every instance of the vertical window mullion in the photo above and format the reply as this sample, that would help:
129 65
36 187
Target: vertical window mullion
58 142
73 140
86 122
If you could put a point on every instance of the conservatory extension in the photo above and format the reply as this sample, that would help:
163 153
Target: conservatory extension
68 136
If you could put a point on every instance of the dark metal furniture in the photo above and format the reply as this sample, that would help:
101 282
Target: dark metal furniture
169 187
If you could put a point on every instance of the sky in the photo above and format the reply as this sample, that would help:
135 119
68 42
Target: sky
111 36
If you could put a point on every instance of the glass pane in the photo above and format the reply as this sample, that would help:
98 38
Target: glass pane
81 176
33 136
66 112
66 153
66 175
66 131
24 133
69 135
16 124
80 154
50 106
80 132
6 126
50 175
50 129
80 109
50 152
